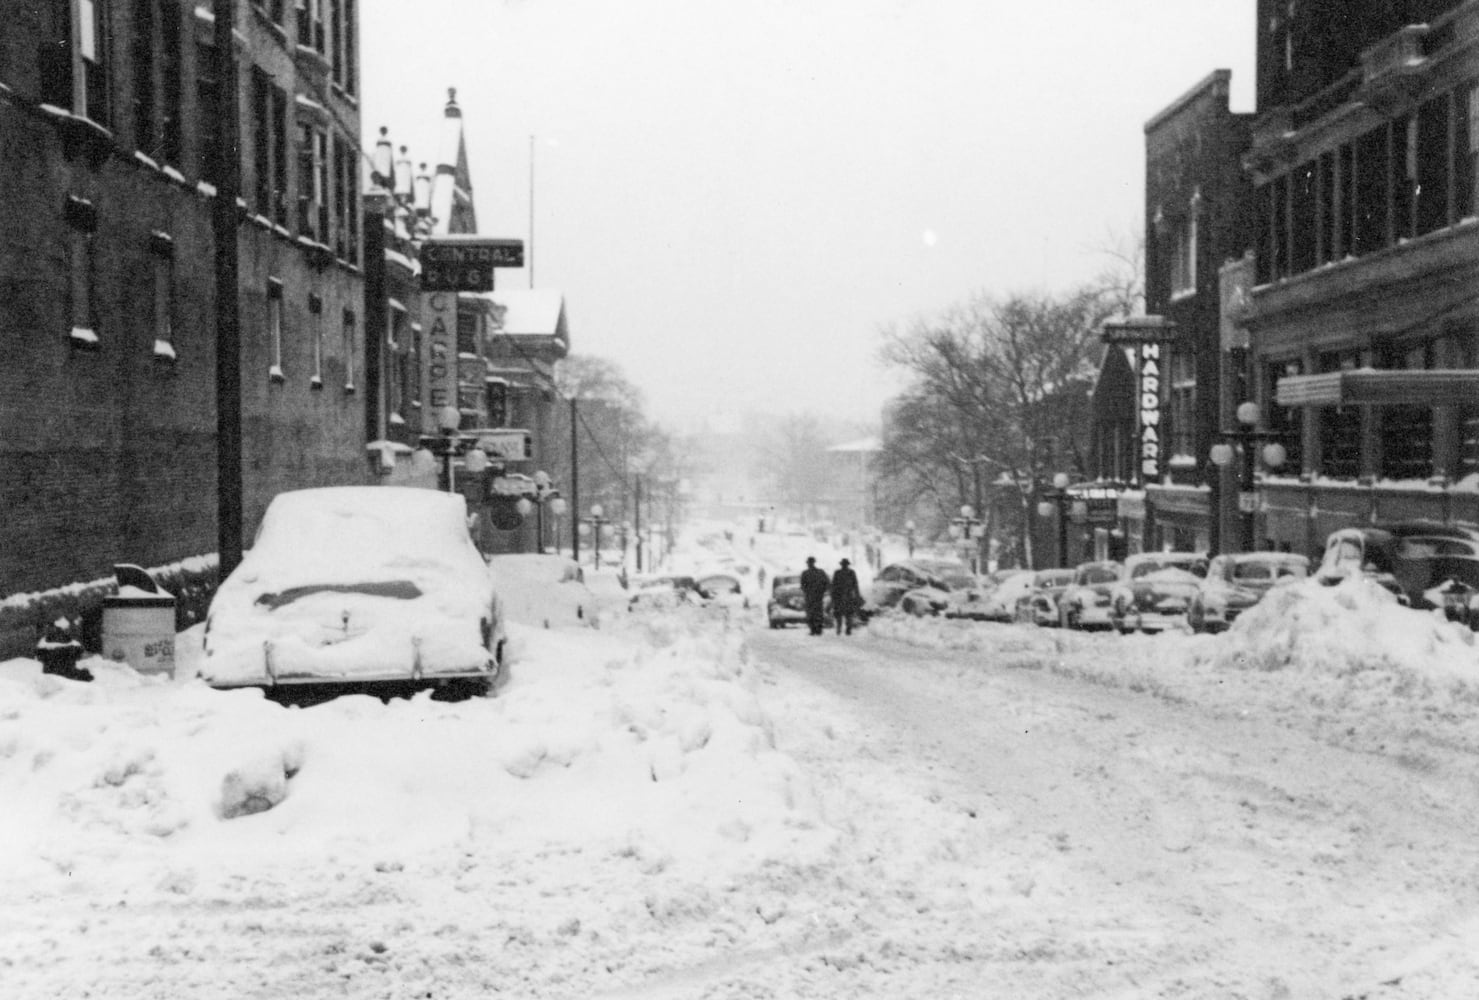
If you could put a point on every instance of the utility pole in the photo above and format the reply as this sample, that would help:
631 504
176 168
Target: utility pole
228 317
574 482
637 518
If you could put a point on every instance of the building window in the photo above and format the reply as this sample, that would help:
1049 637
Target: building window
1370 192
316 331
311 24
158 47
92 36
336 40
207 127
1466 151
73 65
1303 195
82 222
274 329
1340 426
1406 430
349 350
351 57
1184 252
1181 402
342 213
413 367
162 250
313 208
1428 164
1286 421
395 343
269 147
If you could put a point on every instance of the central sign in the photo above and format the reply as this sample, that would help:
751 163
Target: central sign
466 263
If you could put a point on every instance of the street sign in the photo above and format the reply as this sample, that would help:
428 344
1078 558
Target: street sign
1247 501
507 445
466 263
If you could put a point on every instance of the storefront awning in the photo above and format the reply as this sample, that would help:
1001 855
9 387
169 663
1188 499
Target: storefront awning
1372 387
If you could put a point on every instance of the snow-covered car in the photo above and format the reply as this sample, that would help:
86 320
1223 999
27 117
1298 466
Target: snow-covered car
1156 590
1362 551
787 605
1039 606
1237 581
354 585
1085 603
663 592
897 579
723 589
1437 566
1000 602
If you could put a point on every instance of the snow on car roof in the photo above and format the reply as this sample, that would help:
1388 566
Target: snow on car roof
359 533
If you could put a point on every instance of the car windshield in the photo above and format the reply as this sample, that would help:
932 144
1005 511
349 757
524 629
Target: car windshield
1196 567
959 580
782 582
1265 571
1099 574
1056 579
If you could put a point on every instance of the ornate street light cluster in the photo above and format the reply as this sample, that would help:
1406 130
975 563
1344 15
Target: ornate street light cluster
1244 439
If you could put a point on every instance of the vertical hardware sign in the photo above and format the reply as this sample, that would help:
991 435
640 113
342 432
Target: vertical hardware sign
441 351
1149 358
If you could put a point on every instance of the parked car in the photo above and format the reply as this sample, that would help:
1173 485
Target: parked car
787 605
358 585
999 604
1084 603
663 591
897 579
1235 582
722 588
1039 606
1427 564
1156 590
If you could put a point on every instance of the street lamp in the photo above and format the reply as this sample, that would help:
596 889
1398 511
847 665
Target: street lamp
1056 503
1245 437
447 445
544 493
593 526
968 527
909 534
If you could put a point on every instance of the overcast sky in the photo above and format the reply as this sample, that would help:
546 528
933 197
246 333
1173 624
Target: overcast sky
735 196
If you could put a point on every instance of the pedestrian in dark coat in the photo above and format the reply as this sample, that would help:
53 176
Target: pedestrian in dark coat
847 599
814 585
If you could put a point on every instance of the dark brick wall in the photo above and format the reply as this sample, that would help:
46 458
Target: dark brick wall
109 454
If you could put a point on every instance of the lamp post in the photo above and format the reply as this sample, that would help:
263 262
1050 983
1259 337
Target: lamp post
1245 438
1055 504
447 445
969 528
909 535
595 524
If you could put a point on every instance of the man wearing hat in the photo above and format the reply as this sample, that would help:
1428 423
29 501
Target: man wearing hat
814 590
846 597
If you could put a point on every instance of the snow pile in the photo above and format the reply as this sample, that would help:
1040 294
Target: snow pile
1352 627
544 590
662 745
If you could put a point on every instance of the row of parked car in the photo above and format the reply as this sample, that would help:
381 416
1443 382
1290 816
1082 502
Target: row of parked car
1424 564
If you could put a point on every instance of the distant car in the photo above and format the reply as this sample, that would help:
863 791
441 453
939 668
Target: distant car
1039 606
663 592
1237 581
897 579
787 604
358 585
722 588
1156 590
1085 603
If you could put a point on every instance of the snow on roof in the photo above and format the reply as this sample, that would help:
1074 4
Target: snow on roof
531 311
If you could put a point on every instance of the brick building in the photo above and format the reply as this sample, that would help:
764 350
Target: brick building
1364 315
108 399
